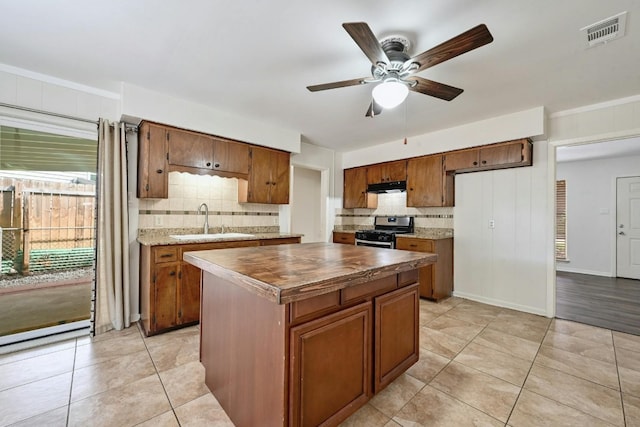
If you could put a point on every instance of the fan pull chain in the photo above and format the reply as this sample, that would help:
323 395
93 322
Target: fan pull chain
405 122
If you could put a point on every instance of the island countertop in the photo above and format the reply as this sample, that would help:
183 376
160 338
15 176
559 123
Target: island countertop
289 273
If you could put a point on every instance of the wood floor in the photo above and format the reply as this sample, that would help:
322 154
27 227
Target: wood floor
607 302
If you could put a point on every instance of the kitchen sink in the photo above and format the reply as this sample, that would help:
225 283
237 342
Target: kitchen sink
210 236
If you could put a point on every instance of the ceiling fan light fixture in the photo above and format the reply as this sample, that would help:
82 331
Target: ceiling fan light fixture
390 93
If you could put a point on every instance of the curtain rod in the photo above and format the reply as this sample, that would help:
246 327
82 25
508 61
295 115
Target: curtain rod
49 113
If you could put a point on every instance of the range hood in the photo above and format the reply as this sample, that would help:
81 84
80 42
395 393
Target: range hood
387 187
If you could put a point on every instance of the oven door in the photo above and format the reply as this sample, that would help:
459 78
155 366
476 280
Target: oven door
375 244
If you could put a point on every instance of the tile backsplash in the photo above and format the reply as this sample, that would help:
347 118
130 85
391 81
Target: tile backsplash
187 192
394 204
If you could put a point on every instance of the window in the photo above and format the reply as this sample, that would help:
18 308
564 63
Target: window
561 220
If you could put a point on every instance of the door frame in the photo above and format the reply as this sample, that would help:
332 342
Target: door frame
325 185
551 203
615 224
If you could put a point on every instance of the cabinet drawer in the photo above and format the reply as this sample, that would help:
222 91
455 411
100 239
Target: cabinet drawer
346 238
165 254
310 308
418 245
407 278
369 289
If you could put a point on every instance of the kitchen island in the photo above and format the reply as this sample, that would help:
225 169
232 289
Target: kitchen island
305 334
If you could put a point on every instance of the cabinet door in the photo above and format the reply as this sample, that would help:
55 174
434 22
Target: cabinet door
152 162
426 278
190 149
374 174
189 305
501 154
259 176
280 164
355 190
230 156
396 334
395 171
459 160
425 181
165 313
330 366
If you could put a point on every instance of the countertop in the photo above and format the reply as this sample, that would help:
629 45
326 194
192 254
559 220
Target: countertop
420 233
163 239
289 273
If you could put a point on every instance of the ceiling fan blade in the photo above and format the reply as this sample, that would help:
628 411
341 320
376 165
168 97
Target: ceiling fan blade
334 85
374 109
367 41
465 42
431 88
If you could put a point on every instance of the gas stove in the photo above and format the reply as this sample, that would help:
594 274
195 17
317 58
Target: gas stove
385 230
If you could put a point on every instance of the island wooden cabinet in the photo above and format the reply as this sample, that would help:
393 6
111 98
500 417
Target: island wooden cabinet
427 184
355 190
152 161
268 180
386 172
508 154
436 280
343 237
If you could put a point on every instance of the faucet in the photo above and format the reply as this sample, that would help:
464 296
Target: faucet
206 217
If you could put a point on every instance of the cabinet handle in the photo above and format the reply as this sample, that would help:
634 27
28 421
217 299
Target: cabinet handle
166 255
173 273
411 189
475 163
208 164
267 182
273 183
412 246
484 162
216 165
159 171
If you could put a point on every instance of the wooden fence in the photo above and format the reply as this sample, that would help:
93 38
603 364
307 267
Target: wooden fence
46 226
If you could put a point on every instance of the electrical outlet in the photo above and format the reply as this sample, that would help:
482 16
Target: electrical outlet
157 219
492 223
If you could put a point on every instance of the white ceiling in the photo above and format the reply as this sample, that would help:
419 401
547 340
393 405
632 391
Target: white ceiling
255 58
599 150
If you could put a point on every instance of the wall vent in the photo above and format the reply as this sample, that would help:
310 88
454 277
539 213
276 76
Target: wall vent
606 30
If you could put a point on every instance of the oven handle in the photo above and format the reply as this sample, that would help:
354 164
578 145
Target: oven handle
374 244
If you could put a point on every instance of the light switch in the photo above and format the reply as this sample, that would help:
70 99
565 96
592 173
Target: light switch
492 223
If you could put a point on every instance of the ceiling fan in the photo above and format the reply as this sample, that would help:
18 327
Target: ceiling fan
395 69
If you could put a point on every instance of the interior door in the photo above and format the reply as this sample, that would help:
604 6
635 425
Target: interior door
628 227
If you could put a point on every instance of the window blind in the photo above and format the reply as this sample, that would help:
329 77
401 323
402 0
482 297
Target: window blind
561 220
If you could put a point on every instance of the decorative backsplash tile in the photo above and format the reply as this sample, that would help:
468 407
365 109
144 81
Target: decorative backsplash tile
187 192
394 204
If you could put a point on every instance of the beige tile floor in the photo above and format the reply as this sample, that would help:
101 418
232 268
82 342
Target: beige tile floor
480 366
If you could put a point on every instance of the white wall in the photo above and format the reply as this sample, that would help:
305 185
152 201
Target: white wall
591 210
505 265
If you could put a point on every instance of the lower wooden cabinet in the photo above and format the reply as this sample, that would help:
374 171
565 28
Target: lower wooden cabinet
344 237
330 367
170 287
338 361
436 280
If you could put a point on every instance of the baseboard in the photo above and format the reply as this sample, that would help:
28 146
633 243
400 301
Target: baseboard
38 337
501 303
582 271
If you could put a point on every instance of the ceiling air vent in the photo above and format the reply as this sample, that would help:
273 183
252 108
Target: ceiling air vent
606 30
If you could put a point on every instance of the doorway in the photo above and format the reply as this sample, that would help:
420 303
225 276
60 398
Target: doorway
47 228
628 227
307 207
588 289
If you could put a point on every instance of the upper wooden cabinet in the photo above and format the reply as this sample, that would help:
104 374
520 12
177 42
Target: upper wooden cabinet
152 162
200 151
355 190
268 177
496 156
427 184
386 172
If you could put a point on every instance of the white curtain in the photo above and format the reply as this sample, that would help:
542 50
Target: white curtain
112 305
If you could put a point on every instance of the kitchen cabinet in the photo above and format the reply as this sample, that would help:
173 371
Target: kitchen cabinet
355 190
386 172
508 154
343 237
210 154
436 280
330 356
427 184
170 287
268 180
152 161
